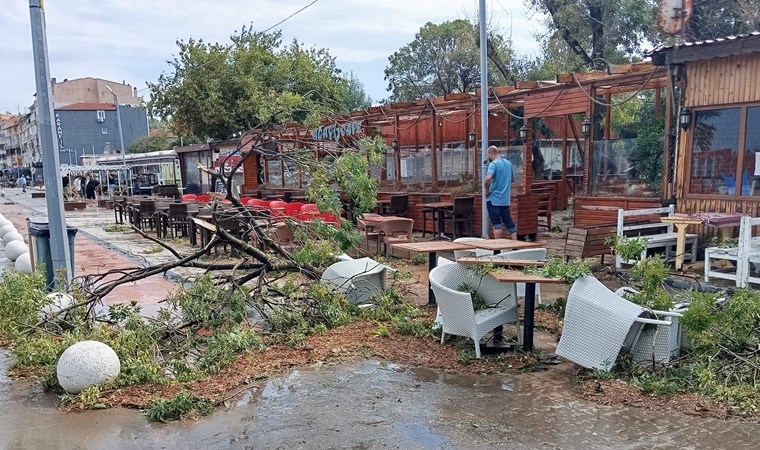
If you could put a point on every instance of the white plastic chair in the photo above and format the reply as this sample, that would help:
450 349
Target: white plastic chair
457 314
475 252
598 324
661 342
529 254
359 279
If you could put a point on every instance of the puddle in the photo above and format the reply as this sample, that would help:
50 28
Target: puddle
369 405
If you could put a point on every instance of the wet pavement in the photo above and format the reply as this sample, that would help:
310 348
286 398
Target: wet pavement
365 404
371 404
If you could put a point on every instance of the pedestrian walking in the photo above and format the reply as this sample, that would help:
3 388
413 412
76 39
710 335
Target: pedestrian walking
499 177
21 182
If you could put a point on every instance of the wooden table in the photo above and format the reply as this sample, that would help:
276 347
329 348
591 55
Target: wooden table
431 248
497 245
500 261
515 276
680 223
439 208
725 222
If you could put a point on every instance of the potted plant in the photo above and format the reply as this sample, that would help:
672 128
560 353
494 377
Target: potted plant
71 202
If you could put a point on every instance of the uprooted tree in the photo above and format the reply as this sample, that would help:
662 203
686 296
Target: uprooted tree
268 293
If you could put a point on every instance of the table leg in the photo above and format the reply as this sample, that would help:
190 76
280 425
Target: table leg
530 304
680 244
431 265
726 233
441 227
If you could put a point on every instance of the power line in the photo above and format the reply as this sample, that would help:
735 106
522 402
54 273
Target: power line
289 17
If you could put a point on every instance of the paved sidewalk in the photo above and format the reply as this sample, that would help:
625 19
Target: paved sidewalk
94 254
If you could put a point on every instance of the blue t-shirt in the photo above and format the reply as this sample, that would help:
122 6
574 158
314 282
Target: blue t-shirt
501 172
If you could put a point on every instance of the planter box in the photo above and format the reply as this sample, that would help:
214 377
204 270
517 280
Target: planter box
38 195
74 206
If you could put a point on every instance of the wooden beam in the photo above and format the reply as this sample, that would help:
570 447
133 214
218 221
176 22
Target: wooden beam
398 154
667 188
565 78
619 69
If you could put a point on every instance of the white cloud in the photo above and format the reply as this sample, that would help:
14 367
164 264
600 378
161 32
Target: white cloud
132 40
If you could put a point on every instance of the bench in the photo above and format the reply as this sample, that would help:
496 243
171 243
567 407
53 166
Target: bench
744 257
38 195
588 241
646 223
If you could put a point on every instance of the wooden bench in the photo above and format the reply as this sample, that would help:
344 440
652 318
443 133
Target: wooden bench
588 241
646 223
38 195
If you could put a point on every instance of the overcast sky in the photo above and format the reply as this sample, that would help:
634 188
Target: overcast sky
131 40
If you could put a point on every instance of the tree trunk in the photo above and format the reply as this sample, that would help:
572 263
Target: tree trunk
596 14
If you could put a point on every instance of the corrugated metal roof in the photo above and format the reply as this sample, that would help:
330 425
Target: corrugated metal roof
705 42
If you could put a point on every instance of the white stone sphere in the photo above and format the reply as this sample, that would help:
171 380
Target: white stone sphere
7 228
24 263
13 236
14 249
86 364
58 301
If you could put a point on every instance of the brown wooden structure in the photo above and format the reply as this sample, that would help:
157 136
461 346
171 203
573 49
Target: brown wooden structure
716 162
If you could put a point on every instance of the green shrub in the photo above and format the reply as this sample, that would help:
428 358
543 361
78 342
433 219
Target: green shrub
178 407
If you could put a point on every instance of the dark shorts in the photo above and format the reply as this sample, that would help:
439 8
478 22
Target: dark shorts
500 217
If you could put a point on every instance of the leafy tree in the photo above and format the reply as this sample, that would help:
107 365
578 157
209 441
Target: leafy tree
714 19
599 32
442 59
150 144
356 96
215 90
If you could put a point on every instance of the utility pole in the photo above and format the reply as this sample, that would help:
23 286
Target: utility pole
118 120
483 116
59 239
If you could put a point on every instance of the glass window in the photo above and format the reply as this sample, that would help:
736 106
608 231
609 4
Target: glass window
751 186
714 152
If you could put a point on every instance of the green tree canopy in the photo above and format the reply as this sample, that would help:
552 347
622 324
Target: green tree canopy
442 59
598 32
215 90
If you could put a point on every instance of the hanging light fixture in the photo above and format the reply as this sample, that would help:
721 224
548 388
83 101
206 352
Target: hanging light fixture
394 144
471 138
586 127
523 133
684 118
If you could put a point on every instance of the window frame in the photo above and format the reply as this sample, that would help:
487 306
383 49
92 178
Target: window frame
688 153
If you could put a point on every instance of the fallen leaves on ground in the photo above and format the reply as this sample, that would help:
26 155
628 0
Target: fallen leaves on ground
358 340
620 393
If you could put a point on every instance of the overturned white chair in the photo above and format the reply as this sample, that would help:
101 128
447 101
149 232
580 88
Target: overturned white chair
359 279
598 324
457 314
656 343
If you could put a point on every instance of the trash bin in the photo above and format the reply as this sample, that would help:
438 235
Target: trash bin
39 245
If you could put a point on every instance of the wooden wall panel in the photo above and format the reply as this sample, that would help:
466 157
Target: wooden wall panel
722 81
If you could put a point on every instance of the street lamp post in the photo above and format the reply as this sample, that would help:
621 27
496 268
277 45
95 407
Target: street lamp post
121 134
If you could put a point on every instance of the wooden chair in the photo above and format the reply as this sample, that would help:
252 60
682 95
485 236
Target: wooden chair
399 205
459 215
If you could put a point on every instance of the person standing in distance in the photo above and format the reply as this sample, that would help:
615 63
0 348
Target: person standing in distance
499 178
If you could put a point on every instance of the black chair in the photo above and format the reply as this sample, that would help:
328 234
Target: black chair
431 211
461 213
399 205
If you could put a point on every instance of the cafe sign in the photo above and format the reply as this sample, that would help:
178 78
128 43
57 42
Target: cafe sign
337 131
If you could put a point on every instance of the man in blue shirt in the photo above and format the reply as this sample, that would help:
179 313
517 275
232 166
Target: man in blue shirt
499 178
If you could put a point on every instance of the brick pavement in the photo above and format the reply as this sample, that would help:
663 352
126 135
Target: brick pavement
91 257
